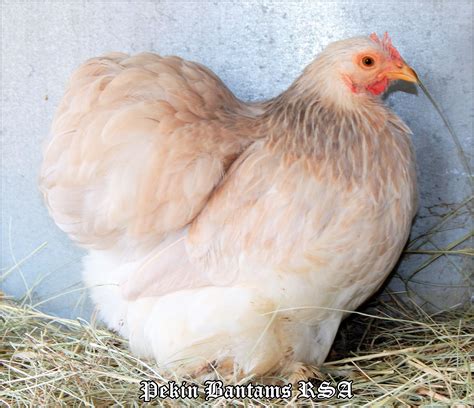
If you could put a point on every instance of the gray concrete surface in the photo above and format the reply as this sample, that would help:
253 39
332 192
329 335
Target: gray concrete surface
257 48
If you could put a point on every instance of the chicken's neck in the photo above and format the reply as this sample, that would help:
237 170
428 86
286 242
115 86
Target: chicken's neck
307 118
349 143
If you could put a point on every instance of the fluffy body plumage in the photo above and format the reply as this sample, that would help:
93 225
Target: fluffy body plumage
227 232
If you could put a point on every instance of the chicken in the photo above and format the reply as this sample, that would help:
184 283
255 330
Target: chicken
228 233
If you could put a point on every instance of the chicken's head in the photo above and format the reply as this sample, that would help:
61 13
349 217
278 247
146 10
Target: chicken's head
359 67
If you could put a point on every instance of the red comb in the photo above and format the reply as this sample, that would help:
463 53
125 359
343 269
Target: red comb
386 44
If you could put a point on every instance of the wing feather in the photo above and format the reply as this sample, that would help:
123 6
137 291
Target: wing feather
138 144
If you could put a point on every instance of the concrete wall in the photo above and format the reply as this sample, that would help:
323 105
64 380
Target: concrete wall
257 48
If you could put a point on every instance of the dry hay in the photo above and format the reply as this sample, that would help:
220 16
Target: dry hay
394 356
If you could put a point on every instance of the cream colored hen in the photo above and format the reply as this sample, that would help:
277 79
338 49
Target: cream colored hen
251 267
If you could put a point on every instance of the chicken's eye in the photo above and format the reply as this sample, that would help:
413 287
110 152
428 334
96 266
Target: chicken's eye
368 61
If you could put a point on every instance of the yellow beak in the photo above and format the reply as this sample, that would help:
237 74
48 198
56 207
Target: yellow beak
405 73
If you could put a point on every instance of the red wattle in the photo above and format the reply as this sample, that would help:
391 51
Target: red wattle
378 87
